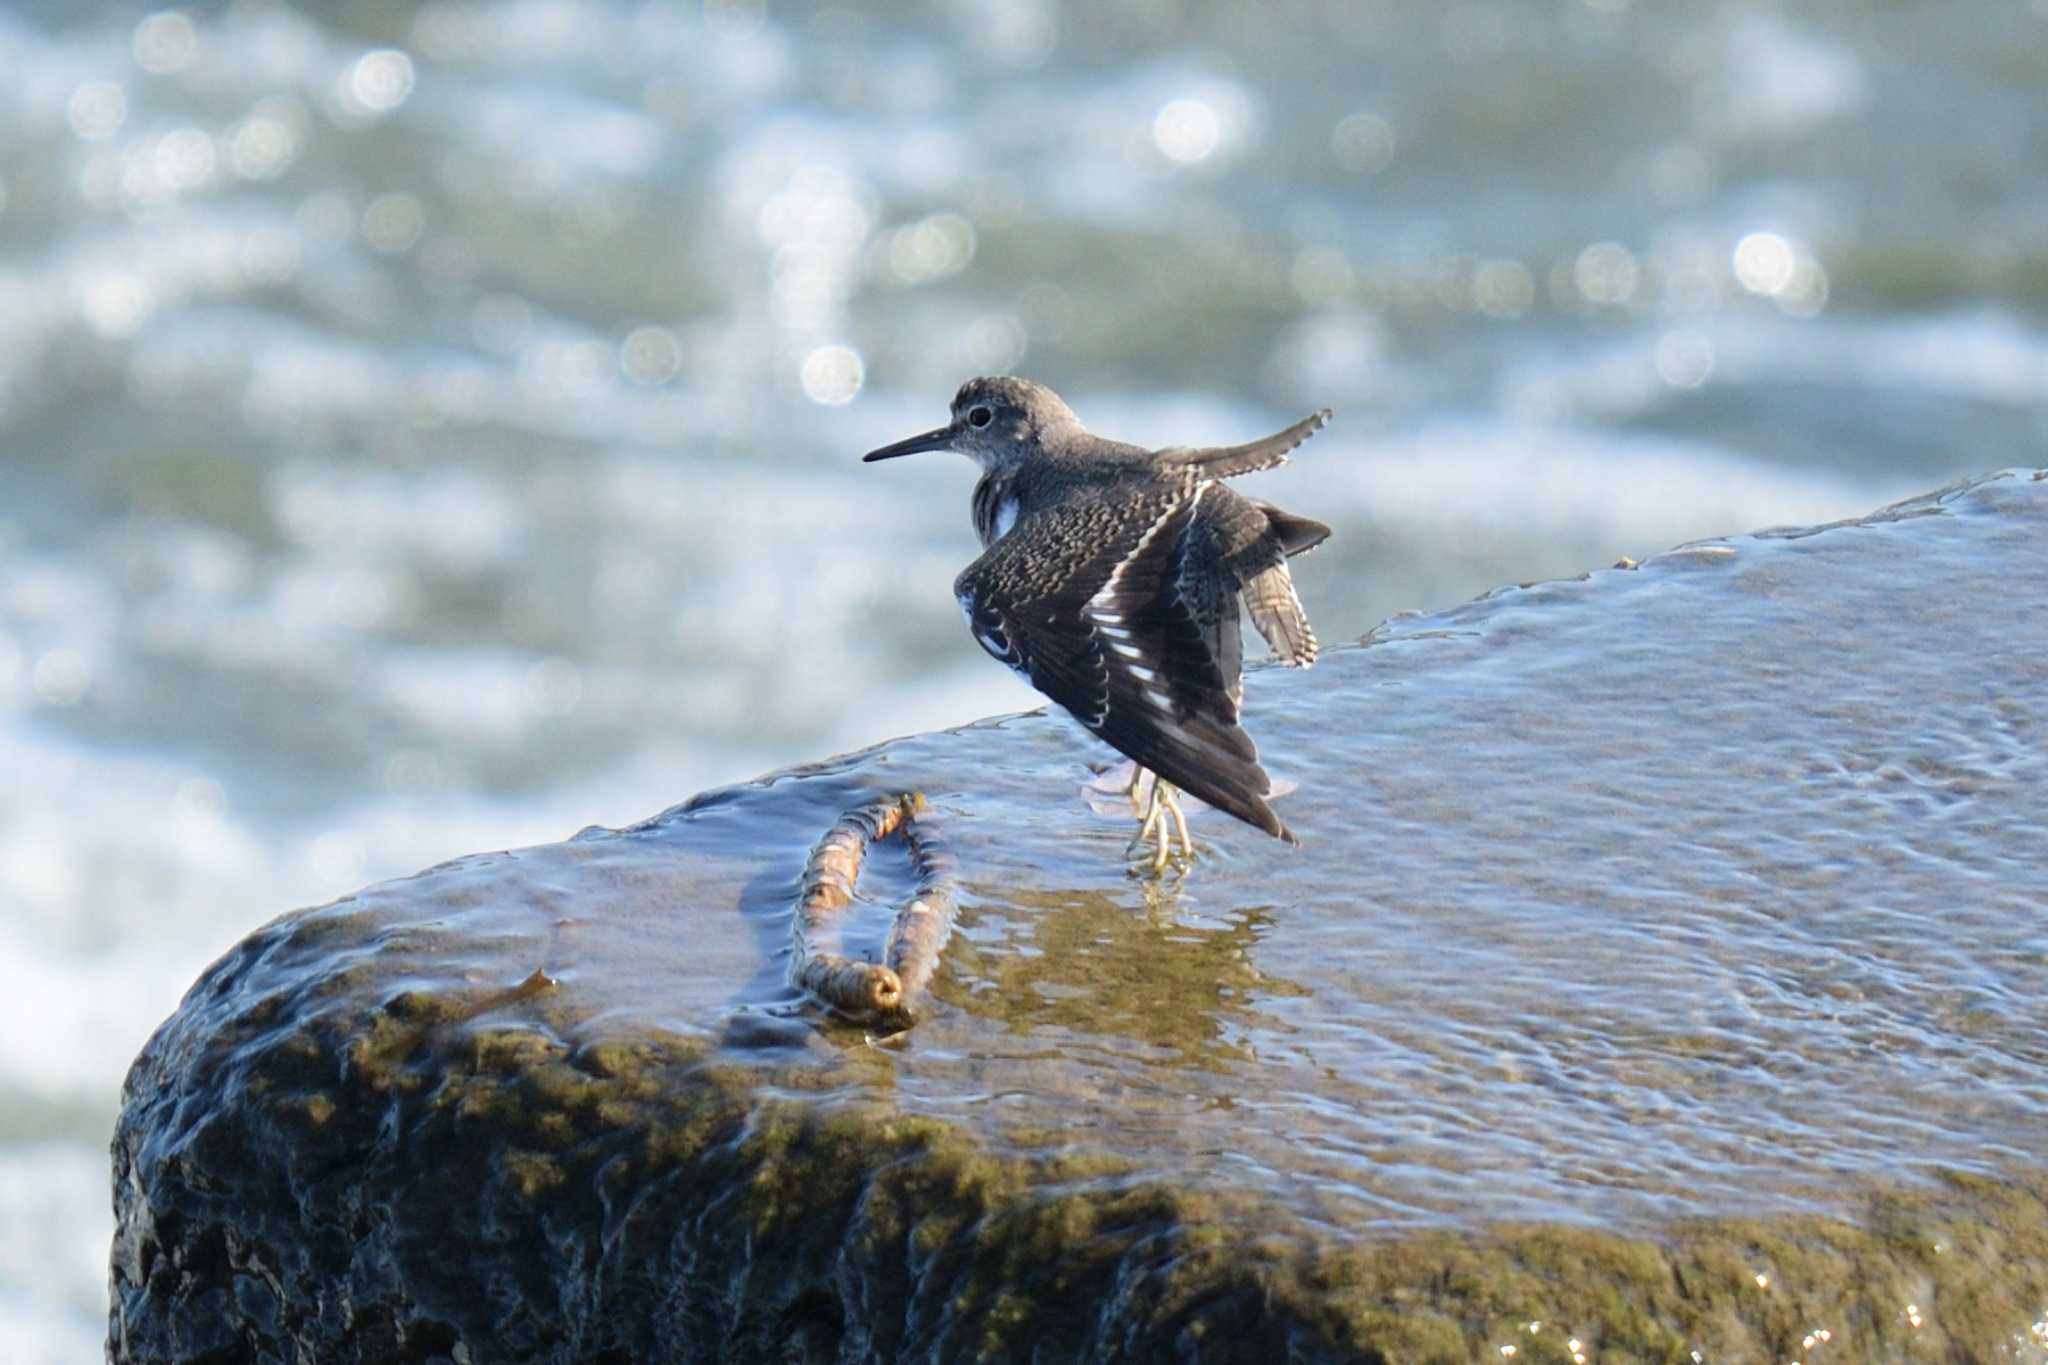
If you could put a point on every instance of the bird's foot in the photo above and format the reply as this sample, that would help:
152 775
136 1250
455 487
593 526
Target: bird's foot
1154 828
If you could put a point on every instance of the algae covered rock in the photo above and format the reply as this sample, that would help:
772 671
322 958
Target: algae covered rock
1660 978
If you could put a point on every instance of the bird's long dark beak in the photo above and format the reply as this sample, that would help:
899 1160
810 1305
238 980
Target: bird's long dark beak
938 438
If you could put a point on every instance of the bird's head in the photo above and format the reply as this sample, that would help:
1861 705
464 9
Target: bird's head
997 422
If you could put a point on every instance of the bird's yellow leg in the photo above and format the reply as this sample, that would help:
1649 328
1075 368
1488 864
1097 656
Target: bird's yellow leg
1152 824
1162 839
1171 800
1162 803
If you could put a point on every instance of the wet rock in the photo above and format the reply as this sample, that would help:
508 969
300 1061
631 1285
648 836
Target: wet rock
1661 973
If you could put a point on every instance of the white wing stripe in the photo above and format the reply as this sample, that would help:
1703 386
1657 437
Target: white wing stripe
1108 624
1095 610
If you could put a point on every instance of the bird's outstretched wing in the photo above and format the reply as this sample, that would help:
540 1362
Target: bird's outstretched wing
1227 462
1114 633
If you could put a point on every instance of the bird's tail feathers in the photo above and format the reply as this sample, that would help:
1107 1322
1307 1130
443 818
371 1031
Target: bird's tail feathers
1297 535
1277 612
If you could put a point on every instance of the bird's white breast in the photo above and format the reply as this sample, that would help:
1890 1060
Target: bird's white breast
1006 515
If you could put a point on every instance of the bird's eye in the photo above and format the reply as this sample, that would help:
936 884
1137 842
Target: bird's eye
980 415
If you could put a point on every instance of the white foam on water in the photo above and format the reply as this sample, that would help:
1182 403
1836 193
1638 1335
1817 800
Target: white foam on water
40 1332
123 876
1640 494
1985 355
55 1227
972 689
1981 355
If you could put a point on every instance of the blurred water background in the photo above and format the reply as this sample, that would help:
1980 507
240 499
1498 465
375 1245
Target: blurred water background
433 428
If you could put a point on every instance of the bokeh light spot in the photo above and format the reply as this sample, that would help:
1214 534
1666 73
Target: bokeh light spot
931 249
378 82
1186 131
393 222
1019 33
1503 288
651 355
261 147
1606 272
97 109
820 206
1684 359
1783 270
116 303
833 375
164 42
1764 263
61 678
185 159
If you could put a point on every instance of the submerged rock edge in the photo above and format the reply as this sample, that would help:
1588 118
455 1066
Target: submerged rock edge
350 1167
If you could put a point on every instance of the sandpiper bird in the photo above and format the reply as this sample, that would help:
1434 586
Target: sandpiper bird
1110 579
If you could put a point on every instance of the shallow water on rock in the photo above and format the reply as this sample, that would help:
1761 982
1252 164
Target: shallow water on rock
1689 889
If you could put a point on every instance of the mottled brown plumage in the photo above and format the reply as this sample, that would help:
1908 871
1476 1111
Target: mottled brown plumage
1111 578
